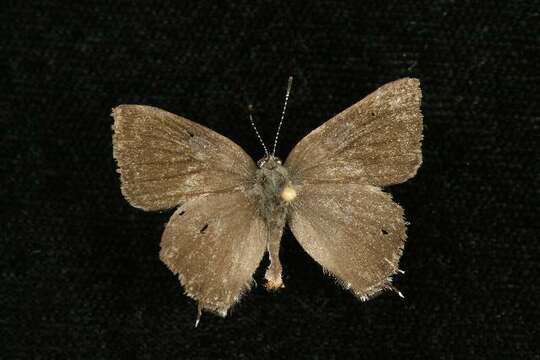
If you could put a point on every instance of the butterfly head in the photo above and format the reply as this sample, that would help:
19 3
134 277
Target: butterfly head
269 162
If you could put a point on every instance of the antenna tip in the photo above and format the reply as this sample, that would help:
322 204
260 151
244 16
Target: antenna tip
250 107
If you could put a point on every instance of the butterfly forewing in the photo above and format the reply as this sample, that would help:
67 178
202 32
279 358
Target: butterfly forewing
165 159
215 243
375 141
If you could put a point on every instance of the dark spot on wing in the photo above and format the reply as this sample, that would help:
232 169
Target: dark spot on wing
203 229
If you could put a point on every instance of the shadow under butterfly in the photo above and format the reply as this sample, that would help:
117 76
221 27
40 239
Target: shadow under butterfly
232 210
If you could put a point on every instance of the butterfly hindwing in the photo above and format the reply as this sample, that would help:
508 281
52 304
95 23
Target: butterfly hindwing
165 159
215 243
356 232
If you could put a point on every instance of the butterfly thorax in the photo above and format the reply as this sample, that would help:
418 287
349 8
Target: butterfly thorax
271 180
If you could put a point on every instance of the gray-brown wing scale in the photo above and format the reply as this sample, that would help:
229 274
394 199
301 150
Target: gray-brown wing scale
165 159
356 232
340 216
215 243
375 141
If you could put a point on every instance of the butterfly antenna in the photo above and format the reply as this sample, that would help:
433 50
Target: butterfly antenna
250 109
289 85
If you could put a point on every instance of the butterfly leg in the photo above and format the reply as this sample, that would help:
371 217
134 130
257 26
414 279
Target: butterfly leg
273 273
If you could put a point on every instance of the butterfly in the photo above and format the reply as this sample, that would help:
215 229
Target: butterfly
230 211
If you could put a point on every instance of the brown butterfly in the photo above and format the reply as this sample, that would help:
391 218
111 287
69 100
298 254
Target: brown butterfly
232 210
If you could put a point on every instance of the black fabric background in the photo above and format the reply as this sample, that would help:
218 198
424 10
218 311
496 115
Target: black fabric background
80 273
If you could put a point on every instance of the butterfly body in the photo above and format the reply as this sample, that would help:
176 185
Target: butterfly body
270 181
230 211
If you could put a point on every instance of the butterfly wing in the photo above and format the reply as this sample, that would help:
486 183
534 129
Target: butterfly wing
165 159
356 232
340 216
375 141
215 243
216 238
